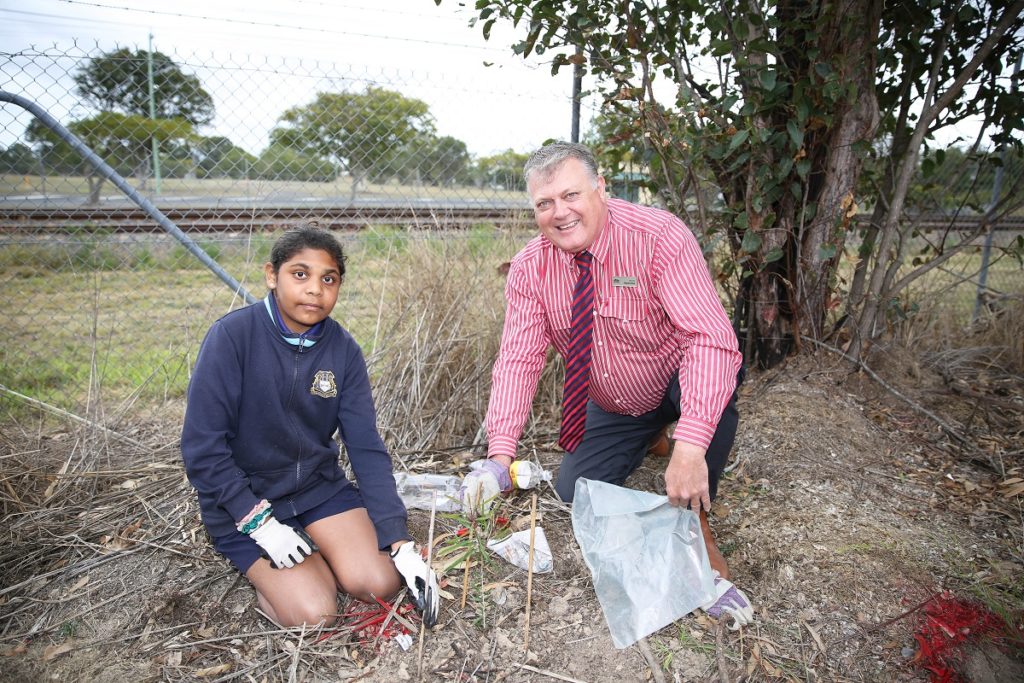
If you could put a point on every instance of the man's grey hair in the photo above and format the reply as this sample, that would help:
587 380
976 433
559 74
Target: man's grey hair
549 157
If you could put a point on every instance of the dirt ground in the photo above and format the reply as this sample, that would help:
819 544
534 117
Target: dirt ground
846 511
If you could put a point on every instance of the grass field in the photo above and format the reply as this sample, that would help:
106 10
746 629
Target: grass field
99 317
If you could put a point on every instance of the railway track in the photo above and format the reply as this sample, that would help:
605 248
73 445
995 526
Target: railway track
235 219
219 219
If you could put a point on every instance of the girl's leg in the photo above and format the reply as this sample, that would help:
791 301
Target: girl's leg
303 594
348 542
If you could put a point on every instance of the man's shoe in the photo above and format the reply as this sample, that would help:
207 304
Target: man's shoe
659 446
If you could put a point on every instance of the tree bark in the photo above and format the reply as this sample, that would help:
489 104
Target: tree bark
853 34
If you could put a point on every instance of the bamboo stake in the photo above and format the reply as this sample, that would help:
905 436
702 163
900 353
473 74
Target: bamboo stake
529 572
430 553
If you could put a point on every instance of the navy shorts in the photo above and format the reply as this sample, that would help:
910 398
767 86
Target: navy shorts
243 552
614 445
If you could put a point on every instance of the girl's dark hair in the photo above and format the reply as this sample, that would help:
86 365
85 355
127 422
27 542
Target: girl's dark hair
307 236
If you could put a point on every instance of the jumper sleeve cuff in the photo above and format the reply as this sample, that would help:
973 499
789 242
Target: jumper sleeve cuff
241 505
501 445
391 530
694 430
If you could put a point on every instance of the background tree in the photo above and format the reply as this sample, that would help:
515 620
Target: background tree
361 132
502 171
777 105
118 81
219 157
432 160
123 132
281 162
18 159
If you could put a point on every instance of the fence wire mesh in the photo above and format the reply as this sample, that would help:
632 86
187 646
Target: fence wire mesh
105 311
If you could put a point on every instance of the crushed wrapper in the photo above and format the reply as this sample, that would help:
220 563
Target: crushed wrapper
516 549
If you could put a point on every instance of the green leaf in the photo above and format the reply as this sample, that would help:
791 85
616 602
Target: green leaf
803 167
823 69
751 242
785 166
826 251
803 110
796 134
738 139
774 255
767 79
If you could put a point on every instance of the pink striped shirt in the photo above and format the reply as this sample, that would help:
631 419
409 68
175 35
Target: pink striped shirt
657 313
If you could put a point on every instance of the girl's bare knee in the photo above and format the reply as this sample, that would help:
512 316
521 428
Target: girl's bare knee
296 610
310 611
366 587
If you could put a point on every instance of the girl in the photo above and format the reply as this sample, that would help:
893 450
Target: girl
272 384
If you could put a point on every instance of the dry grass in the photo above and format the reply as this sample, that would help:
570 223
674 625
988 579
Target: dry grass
106 573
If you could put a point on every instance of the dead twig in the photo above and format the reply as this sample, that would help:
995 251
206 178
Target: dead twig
430 552
861 365
529 573
54 410
723 671
549 674
652 661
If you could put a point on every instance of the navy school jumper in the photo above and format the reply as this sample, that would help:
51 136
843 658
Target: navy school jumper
260 422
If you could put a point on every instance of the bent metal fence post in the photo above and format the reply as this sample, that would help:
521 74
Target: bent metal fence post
113 176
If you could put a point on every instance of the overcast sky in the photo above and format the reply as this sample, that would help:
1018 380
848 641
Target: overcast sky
478 90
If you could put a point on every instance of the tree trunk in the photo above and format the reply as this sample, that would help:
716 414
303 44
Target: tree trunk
853 35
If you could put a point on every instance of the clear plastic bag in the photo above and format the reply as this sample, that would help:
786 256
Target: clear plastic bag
417 491
647 558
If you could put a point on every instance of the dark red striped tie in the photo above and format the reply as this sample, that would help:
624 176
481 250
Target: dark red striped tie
577 360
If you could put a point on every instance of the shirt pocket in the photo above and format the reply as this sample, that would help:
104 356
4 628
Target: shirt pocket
626 320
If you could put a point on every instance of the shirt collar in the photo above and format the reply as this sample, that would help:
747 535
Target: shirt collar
306 339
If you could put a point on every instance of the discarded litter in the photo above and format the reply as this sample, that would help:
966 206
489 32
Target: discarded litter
647 558
417 491
516 549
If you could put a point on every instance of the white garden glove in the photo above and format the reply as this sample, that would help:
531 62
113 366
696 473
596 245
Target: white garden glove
481 487
283 545
729 600
420 579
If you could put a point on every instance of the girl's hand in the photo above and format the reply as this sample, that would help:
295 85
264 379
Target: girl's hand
283 545
421 580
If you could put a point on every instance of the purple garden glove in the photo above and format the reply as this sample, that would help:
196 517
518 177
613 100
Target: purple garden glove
729 600
481 487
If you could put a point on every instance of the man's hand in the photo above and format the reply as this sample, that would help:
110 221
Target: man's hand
420 579
686 477
283 545
486 480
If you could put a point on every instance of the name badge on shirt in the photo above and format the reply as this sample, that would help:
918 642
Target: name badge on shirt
623 281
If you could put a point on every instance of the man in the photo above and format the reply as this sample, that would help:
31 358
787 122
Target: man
623 293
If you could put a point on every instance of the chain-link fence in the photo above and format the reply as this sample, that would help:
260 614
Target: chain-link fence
114 307
105 310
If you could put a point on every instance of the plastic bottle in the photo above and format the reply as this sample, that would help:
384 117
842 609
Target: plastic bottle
527 475
524 474
418 491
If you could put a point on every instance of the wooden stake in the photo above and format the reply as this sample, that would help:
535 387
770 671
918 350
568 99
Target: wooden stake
430 553
529 572
465 568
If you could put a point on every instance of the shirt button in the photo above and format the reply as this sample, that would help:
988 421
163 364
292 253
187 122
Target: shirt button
600 343
605 374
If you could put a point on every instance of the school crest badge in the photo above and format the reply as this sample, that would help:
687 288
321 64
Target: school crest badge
323 384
